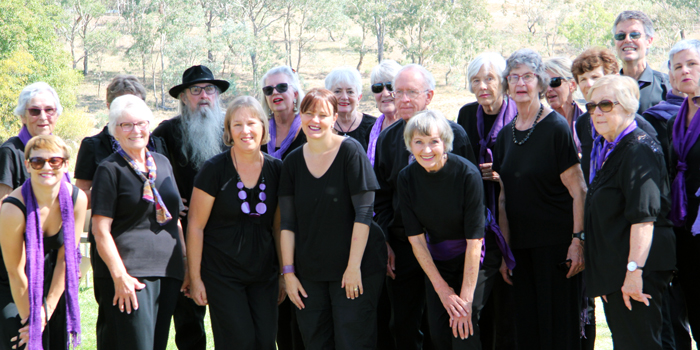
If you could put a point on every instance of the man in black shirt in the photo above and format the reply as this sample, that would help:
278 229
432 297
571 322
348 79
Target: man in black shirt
413 90
633 32
192 138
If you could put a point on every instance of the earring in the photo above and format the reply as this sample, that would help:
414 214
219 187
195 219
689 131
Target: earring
295 106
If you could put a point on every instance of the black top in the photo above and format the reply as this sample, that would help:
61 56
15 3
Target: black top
692 175
13 173
361 133
631 188
538 205
392 156
467 119
298 141
94 149
238 245
445 205
325 213
584 132
653 88
146 248
662 133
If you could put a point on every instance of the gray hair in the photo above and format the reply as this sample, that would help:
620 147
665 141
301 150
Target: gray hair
635 15
127 103
423 123
125 84
293 83
385 71
428 78
624 88
688 44
561 66
32 90
531 59
344 75
252 105
492 60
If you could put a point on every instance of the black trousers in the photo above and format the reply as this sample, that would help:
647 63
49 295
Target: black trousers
497 319
188 320
547 303
244 314
687 247
332 321
144 329
288 335
640 328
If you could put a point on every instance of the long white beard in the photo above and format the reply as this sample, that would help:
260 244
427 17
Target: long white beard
202 132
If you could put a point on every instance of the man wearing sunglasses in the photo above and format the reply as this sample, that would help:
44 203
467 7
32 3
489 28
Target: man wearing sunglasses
633 32
192 138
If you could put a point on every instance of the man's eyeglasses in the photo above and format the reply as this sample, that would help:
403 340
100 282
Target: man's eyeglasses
281 88
379 87
209 89
604 105
126 127
37 163
35 112
622 36
410 93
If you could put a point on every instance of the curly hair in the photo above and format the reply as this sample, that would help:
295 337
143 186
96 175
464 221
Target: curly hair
593 58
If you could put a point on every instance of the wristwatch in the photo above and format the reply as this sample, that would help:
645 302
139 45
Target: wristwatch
580 235
632 266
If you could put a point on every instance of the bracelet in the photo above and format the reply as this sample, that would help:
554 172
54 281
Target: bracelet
287 269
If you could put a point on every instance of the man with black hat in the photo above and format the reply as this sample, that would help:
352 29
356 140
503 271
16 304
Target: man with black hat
192 138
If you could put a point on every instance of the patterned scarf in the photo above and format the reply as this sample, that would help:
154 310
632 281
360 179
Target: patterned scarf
150 193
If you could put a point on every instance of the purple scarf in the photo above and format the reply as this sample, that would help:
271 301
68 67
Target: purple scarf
683 141
577 113
665 110
34 241
25 136
287 140
602 149
373 136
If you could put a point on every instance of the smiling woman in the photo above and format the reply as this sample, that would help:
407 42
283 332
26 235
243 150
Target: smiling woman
346 85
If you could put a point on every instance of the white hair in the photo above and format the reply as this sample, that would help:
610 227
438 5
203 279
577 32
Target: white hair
486 60
385 71
293 83
344 75
202 132
32 90
688 44
423 123
132 104
428 79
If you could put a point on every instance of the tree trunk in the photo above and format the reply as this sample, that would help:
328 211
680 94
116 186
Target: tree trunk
162 82
85 63
447 75
254 65
379 28
682 34
210 54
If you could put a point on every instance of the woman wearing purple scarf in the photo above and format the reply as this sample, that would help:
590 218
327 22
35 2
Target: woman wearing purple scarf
684 162
39 236
381 83
560 93
630 243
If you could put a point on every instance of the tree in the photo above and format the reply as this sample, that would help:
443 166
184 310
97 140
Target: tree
590 27
82 19
373 16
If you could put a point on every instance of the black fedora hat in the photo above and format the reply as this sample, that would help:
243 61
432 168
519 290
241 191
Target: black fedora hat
196 75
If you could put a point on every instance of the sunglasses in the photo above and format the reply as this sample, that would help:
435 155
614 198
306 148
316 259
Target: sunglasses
556 82
281 88
622 36
55 163
604 105
35 112
379 87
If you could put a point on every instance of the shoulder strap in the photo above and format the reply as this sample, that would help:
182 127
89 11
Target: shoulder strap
17 203
75 194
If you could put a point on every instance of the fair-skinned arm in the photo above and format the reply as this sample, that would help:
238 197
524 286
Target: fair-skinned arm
14 256
641 236
464 328
573 179
185 288
86 186
4 191
505 230
352 278
198 218
291 281
276 233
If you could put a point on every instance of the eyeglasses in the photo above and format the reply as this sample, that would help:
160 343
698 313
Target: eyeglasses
410 93
622 36
55 163
556 82
281 88
35 112
527 78
604 105
379 87
209 89
142 125
696 101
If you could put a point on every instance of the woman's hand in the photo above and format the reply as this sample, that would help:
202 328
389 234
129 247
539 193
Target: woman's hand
487 172
462 327
506 272
197 292
456 307
575 253
125 288
283 291
391 262
185 288
23 336
352 282
293 289
632 288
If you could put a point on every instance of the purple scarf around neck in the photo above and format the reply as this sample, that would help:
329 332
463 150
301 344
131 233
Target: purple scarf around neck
683 141
25 136
34 242
487 140
665 110
291 135
373 136
602 149
577 113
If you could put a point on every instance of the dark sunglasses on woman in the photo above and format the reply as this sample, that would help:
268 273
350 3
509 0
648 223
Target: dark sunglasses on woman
54 162
604 105
556 82
281 88
35 112
379 87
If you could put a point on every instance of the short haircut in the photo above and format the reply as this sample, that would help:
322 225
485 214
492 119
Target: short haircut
593 58
344 75
293 81
488 60
385 71
32 90
124 84
252 105
423 123
428 79
51 143
624 88
561 66
318 96
688 44
532 60
127 103
635 15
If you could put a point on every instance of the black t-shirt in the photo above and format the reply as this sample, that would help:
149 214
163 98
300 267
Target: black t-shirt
361 133
146 248
392 156
538 205
13 173
631 188
236 244
298 141
467 119
584 132
94 149
692 175
325 214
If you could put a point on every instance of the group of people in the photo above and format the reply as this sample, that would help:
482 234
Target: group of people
303 223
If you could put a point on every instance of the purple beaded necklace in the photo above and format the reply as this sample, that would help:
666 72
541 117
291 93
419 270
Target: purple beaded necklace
260 208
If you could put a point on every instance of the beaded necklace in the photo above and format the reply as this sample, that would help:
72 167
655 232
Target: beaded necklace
260 208
537 119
